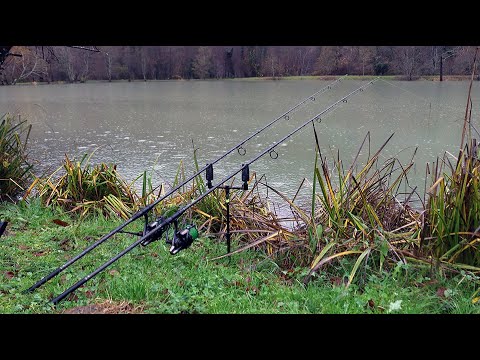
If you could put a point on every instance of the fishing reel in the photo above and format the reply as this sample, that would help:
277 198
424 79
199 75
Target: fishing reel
182 239
151 226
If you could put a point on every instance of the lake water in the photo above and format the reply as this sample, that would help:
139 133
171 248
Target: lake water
154 125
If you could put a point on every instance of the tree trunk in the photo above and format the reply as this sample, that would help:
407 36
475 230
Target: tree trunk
441 68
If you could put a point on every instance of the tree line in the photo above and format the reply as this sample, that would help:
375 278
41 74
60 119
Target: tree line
72 64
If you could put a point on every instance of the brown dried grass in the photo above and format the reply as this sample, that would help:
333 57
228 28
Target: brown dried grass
107 307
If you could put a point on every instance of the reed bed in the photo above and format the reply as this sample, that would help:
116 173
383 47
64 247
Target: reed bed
254 225
362 217
451 229
83 188
14 164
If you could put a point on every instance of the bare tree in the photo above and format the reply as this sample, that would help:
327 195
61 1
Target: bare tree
202 62
153 73
463 60
270 64
143 62
179 64
328 61
66 61
108 64
253 57
407 59
219 63
75 63
366 55
272 60
85 67
28 65
434 56
311 55
305 59
228 67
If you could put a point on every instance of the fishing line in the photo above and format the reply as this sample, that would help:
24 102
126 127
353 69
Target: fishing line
186 236
424 98
239 147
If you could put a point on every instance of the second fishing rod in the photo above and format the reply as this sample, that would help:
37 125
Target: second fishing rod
162 226
144 212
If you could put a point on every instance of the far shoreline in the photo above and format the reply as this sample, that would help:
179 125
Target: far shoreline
269 78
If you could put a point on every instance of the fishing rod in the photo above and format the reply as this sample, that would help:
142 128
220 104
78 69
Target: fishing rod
208 168
184 238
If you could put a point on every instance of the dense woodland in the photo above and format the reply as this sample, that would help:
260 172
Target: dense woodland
70 64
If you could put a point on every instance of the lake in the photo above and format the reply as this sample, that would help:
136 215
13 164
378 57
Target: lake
155 125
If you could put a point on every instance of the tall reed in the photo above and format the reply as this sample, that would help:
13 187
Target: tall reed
84 188
451 229
14 166
361 216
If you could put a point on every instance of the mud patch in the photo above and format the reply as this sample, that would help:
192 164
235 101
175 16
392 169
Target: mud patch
107 307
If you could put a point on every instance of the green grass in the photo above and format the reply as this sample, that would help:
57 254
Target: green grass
189 282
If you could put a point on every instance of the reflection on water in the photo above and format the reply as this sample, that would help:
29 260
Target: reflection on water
154 126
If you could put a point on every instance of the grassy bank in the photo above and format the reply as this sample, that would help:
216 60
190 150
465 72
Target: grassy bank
150 280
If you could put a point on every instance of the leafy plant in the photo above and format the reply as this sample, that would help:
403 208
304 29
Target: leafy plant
86 189
451 230
362 212
14 165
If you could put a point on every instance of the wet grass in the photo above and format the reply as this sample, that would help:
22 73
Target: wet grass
150 280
